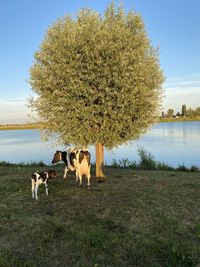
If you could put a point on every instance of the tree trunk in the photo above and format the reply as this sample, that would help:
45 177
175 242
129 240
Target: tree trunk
100 161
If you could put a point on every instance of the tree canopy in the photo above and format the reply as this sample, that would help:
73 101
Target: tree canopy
97 78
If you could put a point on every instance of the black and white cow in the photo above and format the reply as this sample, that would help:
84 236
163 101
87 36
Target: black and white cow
76 159
38 178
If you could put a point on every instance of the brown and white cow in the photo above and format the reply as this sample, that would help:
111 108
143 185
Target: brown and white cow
38 178
76 159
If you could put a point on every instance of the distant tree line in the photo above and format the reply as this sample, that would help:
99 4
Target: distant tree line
185 112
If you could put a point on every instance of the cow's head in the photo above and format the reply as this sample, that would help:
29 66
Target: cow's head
57 157
52 173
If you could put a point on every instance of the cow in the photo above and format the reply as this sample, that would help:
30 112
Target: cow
38 178
75 159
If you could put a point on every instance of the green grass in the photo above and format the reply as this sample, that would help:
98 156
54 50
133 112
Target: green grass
23 164
136 218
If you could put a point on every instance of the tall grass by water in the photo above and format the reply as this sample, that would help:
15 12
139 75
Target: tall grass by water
148 162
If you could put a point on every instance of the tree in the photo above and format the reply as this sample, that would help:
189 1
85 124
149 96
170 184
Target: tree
190 113
184 110
163 114
170 113
97 80
197 111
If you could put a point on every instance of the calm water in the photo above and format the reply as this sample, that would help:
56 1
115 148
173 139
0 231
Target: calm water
172 143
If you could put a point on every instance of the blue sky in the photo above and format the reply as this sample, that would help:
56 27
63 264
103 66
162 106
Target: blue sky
173 25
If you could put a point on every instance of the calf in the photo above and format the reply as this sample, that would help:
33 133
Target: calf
38 178
76 159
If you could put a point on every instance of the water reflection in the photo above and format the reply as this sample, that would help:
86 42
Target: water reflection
172 143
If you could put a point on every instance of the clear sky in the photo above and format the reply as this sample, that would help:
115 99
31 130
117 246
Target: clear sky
173 25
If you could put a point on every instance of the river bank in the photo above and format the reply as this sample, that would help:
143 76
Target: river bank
178 119
27 126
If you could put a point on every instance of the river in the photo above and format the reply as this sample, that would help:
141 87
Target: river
173 143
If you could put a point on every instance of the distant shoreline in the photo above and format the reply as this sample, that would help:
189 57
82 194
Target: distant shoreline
178 119
28 126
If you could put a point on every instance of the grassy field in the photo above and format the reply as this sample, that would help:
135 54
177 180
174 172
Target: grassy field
135 218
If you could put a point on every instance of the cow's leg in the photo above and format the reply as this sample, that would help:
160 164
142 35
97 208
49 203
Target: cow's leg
88 177
80 179
46 188
77 178
65 172
36 191
79 175
33 189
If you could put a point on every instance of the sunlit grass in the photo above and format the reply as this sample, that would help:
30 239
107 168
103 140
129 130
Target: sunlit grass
19 126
